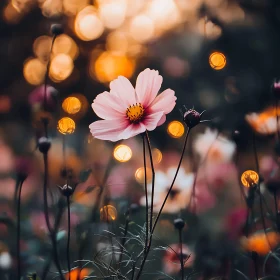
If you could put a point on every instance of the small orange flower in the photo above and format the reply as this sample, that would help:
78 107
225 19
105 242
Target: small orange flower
78 274
264 122
261 243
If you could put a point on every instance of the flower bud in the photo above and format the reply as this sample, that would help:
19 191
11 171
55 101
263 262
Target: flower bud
44 145
22 168
276 88
43 97
273 186
66 190
56 29
179 223
192 118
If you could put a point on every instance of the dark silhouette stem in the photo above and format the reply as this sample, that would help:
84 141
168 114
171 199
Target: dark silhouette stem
19 184
146 195
46 76
124 236
69 233
181 254
153 179
46 213
174 179
146 253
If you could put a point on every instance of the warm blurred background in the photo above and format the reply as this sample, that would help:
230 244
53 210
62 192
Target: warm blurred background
221 56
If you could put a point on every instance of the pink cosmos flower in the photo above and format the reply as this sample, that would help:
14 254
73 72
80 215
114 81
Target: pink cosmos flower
171 261
127 112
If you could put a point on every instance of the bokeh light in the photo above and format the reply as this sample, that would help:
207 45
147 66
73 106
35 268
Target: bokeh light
42 48
122 153
261 243
117 43
217 60
175 129
113 13
72 7
61 67
34 71
109 66
249 177
88 26
142 28
108 213
157 155
5 104
66 125
78 274
140 175
11 14
65 44
71 105
164 13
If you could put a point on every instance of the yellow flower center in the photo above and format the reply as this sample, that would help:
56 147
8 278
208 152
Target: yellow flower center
135 112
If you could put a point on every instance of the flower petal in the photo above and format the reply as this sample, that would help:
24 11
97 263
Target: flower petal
124 90
107 106
151 120
164 102
108 129
147 86
132 130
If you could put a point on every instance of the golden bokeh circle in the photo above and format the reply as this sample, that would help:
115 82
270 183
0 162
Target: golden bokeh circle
217 60
71 105
66 125
249 177
34 71
122 153
140 175
108 66
61 67
175 129
108 213
157 155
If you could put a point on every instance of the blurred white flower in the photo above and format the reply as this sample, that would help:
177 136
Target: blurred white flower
180 194
5 260
261 123
213 147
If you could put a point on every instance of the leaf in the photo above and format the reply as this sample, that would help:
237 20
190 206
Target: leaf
60 235
84 175
90 189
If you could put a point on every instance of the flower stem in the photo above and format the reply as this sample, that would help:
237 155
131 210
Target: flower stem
277 119
276 210
174 179
68 238
46 213
47 75
19 184
127 219
181 254
162 206
153 180
146 194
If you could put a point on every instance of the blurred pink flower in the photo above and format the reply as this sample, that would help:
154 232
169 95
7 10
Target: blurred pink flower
7 188
171 259
180 194
269 168
218 176
36 97
203 199
235 221
212 147
127 112
38 223
7 158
